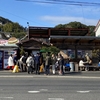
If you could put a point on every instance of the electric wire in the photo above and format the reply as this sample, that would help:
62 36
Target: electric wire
28 20
65 2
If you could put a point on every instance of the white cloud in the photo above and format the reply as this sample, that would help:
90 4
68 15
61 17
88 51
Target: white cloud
66 19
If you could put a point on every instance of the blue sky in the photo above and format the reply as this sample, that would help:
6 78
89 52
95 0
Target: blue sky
49 15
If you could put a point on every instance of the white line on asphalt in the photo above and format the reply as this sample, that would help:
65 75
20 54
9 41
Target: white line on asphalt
43 89
55 98
84 91
6 97
33 91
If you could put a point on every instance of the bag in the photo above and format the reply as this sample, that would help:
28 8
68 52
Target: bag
90 62
16 69
30 69
30 62
41 68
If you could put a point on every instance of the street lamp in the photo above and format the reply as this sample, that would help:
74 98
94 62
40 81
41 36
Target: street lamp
28 29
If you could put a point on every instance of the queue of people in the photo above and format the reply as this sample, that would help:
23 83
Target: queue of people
37 64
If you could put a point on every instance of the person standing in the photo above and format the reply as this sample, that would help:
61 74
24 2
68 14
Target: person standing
15 59
37 63
47 64
53 59
41 63
21 63
30 64
10 62
61 63
24 62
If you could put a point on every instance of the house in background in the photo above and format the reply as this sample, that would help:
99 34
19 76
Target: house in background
97 29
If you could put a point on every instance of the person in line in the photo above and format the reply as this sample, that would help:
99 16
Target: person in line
37 63
24 62
53 59
47 64
61 63
20 62
15 59
41 63
10 62
41 58
30 64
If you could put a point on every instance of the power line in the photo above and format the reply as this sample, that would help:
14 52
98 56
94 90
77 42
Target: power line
28 20
64 2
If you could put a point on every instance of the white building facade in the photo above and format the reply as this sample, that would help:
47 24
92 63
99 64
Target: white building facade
97 29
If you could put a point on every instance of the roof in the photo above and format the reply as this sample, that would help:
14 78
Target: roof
83 42
97 26
33 43
45 32
9 45
34 39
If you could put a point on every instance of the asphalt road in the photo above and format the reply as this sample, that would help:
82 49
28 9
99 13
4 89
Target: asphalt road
32 87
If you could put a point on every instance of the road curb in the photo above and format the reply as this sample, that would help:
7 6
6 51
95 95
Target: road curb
42 76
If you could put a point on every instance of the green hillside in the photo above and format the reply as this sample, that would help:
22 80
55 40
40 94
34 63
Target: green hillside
4 20
18 31
14 28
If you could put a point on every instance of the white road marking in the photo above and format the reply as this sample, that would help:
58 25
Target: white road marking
55 98
6 97
84 91
43 89
33 91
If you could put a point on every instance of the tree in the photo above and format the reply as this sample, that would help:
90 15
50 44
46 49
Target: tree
91 30
71 25
14 29
51 49
8 27
77 25
22 51
19 35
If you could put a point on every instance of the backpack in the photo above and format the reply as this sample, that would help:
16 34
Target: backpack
30 62
24 59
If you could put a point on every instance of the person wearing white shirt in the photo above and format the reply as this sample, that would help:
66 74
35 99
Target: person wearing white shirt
81 64
10 62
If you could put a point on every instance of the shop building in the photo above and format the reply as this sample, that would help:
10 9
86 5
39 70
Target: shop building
6 49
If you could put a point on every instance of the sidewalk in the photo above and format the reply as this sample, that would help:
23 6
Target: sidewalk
83 74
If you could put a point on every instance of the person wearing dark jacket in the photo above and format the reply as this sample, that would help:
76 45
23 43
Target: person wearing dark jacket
53 59
61 63
47 64
37 63
24 62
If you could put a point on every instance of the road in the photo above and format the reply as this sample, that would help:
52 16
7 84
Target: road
49 88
